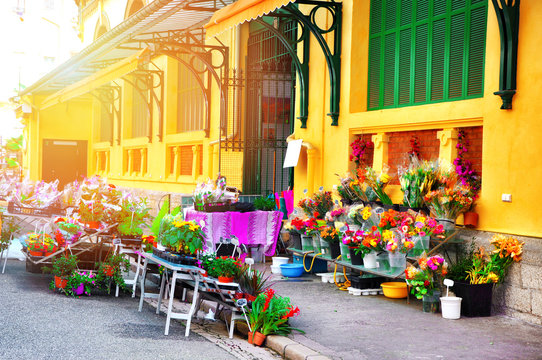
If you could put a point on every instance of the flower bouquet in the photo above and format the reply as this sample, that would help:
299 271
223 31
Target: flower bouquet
424 279
332 237
317 206
351 189
337 214
361 215
493 267
448 203
397 246
378 183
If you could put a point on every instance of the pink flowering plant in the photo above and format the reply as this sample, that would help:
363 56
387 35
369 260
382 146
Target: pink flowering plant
353 238
427 277
359 149
336 214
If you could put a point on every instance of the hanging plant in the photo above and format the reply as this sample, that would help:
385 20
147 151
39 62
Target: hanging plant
359 148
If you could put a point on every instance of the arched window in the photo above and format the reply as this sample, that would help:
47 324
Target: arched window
132 7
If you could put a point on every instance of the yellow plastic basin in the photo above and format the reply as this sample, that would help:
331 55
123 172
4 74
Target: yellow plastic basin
395 290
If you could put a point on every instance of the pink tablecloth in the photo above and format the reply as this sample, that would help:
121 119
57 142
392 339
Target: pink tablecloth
255 228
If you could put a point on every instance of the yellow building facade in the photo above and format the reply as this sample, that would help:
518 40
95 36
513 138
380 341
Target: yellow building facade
247 93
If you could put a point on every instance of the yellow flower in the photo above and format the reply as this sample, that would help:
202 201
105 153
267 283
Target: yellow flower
492 277
366 213
384 178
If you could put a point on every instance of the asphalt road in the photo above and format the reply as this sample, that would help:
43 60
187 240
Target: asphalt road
36 323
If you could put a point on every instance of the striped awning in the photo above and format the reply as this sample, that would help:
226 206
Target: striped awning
240 12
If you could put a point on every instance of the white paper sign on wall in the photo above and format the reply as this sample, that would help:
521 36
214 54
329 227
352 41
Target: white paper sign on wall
292 153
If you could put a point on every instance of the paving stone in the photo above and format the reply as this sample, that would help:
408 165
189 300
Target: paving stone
279 343
298 352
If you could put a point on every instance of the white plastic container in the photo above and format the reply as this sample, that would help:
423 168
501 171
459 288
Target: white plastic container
369 260
275 269
450 307
279 260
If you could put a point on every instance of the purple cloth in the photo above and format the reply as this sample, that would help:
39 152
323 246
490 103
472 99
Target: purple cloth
256 228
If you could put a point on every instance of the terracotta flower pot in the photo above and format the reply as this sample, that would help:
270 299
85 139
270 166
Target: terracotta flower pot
250 337
224 279
259 338
35 253
93 224
60 283
470 219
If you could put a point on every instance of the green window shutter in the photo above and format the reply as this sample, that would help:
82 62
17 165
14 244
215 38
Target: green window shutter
374 73
457 50
405 37
420 61
477 47
437 59
423 51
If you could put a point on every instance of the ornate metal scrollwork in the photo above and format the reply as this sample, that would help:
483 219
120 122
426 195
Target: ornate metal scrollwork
109 96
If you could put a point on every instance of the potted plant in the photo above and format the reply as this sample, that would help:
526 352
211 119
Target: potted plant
270 314
9 227
62 268
352 239
224 268
253 283
39 244
425 280
468 178
264 204
475 276
91 213
110 272
378 183
130 219
149 243
81 282
185 237
67 230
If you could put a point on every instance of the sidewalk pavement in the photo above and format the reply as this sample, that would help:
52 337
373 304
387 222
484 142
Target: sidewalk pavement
342 326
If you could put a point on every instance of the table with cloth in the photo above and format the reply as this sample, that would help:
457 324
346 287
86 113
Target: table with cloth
253 228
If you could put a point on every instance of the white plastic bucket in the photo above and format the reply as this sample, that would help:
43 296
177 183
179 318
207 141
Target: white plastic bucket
369 260
450 307
279 260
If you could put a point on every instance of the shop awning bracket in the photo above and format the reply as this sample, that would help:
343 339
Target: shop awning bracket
149 84
205 90
301 67
333 59
176 42
508 19
109 97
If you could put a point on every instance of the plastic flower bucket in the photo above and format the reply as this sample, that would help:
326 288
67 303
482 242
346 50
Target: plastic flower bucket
397 260
306 243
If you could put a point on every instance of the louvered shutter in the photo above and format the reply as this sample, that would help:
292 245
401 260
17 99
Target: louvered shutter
423 51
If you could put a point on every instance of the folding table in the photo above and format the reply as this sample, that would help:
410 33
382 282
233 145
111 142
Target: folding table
180 272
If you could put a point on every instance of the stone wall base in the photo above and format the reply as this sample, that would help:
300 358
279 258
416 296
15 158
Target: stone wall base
520 295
